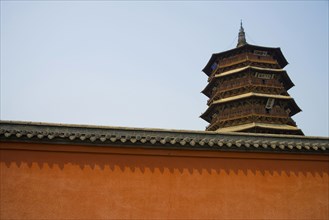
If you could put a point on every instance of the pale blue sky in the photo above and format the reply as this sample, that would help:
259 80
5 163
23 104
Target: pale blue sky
138 63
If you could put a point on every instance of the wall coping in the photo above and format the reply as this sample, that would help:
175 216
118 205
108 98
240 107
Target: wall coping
94 135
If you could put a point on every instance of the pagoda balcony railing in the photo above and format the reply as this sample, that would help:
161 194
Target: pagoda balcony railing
263 59
244 82
241 83
247 114
253 111
266 82
240 59
244 57
229 85
237 84
247 111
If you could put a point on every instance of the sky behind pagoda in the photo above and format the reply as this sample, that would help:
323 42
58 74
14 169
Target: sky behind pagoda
138 64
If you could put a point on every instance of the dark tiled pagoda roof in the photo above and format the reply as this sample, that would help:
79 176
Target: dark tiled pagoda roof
32 132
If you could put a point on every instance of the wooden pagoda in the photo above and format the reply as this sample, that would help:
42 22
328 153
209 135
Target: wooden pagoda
247 90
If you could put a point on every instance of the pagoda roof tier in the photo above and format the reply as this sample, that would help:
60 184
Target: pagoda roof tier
207 89
294 107
287 81
260 125
276 50
288 84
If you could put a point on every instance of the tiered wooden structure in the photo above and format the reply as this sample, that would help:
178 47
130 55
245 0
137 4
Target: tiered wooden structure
247 90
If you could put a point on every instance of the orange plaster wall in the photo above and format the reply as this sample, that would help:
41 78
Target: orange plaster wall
165 184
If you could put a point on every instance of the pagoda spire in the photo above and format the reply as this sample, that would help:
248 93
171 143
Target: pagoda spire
242 37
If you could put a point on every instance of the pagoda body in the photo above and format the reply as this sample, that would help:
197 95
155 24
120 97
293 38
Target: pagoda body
247 91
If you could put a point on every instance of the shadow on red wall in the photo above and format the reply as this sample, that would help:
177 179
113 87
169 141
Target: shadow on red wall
192 164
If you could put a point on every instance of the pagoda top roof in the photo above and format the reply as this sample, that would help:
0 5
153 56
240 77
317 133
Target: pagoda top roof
277 50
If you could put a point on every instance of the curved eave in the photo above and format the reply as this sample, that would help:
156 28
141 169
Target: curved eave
207 90
288 84
294 108
205 116
207 70
279 55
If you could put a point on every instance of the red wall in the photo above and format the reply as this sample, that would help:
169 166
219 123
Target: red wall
77 182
